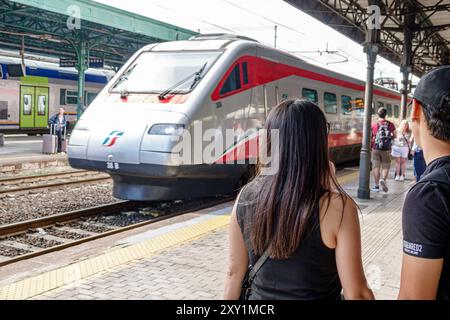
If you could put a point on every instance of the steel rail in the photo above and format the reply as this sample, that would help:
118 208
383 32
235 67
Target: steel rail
125 204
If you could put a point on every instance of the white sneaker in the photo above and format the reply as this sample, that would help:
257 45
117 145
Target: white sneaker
402 178
397 178
384 185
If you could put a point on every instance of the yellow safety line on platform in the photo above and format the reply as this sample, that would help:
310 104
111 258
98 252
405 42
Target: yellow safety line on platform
50 280
348 177
47 281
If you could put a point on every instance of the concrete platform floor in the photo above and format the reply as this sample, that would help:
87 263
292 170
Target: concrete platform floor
186 258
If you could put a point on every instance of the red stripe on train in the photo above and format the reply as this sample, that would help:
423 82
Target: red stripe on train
249 148
262 71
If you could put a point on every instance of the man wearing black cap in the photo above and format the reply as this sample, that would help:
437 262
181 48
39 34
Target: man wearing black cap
426 213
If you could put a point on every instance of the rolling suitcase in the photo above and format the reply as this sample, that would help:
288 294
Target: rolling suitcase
50 142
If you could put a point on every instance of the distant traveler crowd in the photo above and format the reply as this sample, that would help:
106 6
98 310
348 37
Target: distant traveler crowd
296 234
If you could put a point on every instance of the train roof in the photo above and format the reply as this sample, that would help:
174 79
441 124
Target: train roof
54 66
219 41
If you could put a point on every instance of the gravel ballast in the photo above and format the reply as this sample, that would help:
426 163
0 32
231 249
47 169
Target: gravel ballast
40 203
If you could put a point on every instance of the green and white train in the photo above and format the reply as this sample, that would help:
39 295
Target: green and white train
26 103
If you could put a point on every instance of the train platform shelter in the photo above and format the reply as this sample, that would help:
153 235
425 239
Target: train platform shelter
185 257
77 30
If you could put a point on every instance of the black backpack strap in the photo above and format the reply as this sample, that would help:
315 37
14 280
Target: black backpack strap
258 265
438 176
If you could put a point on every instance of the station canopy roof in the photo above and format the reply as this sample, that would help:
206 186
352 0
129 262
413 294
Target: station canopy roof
50 28
429 23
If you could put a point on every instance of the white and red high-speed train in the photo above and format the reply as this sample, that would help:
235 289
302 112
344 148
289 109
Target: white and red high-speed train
221 82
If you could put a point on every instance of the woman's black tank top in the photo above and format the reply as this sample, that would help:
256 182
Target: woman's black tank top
310 273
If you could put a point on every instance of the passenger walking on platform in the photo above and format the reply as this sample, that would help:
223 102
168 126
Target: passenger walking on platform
383 133
401 149
60 123
298 220
426 213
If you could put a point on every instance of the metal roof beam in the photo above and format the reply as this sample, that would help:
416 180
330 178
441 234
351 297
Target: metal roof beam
349 17
111 17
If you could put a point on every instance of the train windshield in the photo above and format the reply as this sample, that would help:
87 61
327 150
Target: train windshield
157 72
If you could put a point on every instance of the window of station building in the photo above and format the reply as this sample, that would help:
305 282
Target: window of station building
233 81
244 72
330 102
396 111
346 103
310 94
389 110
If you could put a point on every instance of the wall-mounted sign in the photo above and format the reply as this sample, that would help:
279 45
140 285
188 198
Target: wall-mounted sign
67 62
94 62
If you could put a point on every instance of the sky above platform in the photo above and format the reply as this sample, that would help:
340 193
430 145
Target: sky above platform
297 32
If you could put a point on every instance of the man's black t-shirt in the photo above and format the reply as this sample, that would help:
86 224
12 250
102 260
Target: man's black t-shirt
426 223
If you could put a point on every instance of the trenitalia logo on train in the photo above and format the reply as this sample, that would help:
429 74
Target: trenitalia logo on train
112 138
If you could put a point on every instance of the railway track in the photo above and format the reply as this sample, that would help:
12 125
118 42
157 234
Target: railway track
51 180
27 239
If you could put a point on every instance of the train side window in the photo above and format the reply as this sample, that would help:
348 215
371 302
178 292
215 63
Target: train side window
89 97
3 110
62 96
389 110
396 111
244 73
380 105
27 108
71 97
42 103
408 112
330 102
233 81
346 105
359 104
310 94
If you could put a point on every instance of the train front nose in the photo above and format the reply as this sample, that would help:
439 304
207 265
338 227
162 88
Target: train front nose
122 145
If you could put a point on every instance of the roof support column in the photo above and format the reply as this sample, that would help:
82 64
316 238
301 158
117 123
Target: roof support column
406 70
371 49
82 66
406 63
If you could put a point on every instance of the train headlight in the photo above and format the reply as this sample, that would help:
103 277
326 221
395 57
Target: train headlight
167 129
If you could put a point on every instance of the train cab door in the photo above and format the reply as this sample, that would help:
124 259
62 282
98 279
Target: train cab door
34 107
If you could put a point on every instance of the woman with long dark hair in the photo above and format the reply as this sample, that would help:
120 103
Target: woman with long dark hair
301 215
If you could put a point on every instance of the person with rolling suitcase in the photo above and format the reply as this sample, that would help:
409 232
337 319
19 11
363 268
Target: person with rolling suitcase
60 123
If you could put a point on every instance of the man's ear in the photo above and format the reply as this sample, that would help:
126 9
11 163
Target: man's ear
416 111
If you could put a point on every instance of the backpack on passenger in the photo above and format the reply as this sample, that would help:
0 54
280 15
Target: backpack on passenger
383 138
